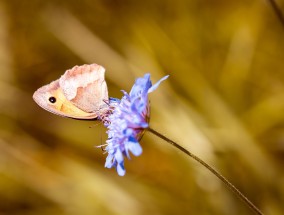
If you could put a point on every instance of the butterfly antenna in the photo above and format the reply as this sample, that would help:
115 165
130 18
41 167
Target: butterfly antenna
106 101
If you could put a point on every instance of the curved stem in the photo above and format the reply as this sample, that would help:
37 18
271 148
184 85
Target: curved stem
211 169
277 11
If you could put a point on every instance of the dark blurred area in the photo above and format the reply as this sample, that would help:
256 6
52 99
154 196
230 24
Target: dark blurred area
224 101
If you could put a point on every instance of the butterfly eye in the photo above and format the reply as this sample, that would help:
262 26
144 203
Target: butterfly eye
52 99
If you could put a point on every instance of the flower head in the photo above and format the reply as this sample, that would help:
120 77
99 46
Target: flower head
127 123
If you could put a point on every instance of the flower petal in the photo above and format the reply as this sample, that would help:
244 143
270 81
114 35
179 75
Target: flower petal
120 169
109 161
141 84
118 156
151 89
135 147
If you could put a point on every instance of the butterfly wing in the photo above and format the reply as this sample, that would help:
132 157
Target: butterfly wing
80 93
85 87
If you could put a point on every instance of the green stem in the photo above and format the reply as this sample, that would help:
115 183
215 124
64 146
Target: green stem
211 169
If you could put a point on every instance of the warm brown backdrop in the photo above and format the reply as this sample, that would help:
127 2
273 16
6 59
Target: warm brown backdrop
224 101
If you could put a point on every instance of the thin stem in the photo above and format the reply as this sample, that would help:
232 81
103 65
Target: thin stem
211 169
277 11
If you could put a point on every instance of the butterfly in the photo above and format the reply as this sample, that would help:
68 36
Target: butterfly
80 93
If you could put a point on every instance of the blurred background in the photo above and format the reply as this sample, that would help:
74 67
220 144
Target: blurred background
224 101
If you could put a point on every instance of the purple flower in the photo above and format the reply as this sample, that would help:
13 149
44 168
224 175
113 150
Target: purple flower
127 122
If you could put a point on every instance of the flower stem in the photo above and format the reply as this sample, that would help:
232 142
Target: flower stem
211 169
277 11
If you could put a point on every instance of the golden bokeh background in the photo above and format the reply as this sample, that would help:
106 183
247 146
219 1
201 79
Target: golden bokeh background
224 101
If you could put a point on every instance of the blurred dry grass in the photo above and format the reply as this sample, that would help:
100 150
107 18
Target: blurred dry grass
224 101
